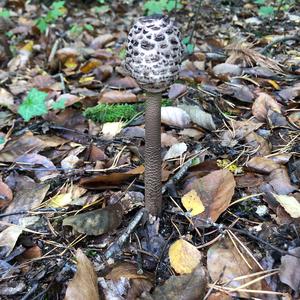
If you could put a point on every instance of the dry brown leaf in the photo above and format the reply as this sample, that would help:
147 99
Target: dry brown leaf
27 143
100 41
117 97
168 140
138 283
240 129
95 182
261 106
6 194
90 65
280 181
84 285
290 269
185 287
262 164
104 72
258 143
215 191
224 264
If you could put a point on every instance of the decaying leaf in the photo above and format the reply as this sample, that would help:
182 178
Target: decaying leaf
60 200
224 264
184 257
6 194
174 116
192 203
215 191
9 237
290 204
96 182
188 287
290 269
98 221
124 276
176 150
199 116
262 164
262 105
84 285
176 90
117 97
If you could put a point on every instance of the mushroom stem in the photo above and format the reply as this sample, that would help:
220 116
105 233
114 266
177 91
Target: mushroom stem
152 179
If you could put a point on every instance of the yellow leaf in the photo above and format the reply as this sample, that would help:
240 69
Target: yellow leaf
192 203
90 66
184 257
28 46
60 200
86 80
274 84
71 62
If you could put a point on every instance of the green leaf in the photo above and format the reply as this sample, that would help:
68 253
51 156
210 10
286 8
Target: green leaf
89 27
2 140
266 11
259 1
122 53
102 8
186 40
153 7
190 48
34 105
5 13
60 104
41 24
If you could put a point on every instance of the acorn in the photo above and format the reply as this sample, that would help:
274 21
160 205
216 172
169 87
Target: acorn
153 58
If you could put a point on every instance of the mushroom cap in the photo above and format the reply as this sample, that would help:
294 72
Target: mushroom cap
154 52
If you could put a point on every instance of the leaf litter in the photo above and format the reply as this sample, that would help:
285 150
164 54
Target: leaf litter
72 146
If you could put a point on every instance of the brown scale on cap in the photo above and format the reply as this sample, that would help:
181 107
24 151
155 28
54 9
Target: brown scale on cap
154 54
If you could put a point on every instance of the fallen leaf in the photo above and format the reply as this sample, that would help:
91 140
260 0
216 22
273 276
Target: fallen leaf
100 41
174 116
90 65
192 203
262 164
225 263
199 116
176 90
290 204
192 132
117 97
184 257
289 272
126 273
188 287
25 199
258 143
226 69
34 160
240 129
27 143
98 221
9 237
215 191
176 150
280 181
97 181
60 200
6 195
168 140
111 129
84 285
6 99
262 104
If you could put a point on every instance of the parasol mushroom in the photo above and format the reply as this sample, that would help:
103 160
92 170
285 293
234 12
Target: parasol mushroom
154 54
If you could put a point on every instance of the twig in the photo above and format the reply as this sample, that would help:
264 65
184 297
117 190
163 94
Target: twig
116 247
280 40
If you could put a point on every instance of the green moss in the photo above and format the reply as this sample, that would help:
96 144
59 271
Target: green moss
111 113
116 112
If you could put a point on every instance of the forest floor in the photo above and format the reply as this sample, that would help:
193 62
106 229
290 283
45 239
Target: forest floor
72 146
